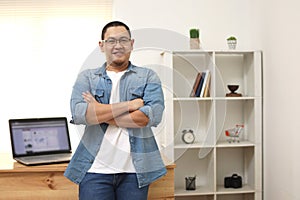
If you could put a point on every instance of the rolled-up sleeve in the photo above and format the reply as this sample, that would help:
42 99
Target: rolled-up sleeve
153 100
78 105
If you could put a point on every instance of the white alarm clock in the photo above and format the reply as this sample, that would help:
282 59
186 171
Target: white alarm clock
188 136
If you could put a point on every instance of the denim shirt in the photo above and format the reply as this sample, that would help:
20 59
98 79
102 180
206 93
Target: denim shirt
137 82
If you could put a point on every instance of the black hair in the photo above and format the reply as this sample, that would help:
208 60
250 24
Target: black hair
113 24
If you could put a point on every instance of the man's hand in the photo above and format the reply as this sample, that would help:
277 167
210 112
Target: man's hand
91 116
88 97
135 104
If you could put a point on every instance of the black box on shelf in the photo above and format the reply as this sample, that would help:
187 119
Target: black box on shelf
234 181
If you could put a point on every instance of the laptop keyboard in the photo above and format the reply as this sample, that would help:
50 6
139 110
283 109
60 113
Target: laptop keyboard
54 157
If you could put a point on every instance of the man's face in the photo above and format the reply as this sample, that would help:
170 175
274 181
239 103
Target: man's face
117 46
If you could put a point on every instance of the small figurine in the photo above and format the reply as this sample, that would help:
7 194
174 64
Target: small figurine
233 92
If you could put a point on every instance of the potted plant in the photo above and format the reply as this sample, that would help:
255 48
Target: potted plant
231 42
194 38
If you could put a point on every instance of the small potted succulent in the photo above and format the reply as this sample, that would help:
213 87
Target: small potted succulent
231 42
194 38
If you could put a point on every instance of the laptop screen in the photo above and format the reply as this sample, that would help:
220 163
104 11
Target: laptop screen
39 136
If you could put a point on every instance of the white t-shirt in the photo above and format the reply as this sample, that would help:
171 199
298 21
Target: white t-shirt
114 154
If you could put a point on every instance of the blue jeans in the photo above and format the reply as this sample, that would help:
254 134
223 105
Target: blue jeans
123 186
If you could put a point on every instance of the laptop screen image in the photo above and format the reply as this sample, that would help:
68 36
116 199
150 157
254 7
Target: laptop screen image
39 136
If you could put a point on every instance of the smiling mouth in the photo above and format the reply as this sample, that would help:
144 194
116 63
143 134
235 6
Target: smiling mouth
119 54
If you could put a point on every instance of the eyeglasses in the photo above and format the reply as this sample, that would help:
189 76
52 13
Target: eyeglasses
113 41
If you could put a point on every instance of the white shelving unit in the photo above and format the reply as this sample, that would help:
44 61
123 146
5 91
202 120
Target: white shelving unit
211 157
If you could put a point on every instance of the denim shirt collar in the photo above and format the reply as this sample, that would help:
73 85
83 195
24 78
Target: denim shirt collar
102 70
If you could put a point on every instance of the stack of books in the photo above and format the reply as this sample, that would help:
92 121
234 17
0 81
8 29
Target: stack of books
201 87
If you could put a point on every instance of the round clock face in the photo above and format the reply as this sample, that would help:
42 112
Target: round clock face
188 137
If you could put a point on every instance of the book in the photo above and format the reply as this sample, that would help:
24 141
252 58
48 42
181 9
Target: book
207 86
201 86
204 83
198 92
196 84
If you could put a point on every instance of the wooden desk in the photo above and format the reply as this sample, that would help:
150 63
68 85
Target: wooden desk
47 182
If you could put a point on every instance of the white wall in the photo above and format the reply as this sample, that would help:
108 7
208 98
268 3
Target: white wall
282 139
216 19
268 25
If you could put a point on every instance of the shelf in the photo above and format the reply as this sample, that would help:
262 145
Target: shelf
244 189
180 192
234 98
192 146
192 99
220 144
213 98
226 144
191 51
221 51
232 52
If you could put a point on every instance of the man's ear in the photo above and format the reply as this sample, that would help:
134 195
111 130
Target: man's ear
132 42
101 46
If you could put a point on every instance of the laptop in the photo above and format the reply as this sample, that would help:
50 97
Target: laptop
37 141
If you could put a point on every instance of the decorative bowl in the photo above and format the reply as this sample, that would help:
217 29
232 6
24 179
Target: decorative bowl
233 88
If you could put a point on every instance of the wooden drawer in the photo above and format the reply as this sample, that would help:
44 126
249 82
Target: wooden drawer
163 188
36 185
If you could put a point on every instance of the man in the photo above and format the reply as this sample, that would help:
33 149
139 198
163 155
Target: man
117 157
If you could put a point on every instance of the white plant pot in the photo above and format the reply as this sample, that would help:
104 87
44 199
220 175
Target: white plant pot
194 43
231 44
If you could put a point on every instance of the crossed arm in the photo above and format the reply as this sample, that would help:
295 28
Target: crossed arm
123 114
